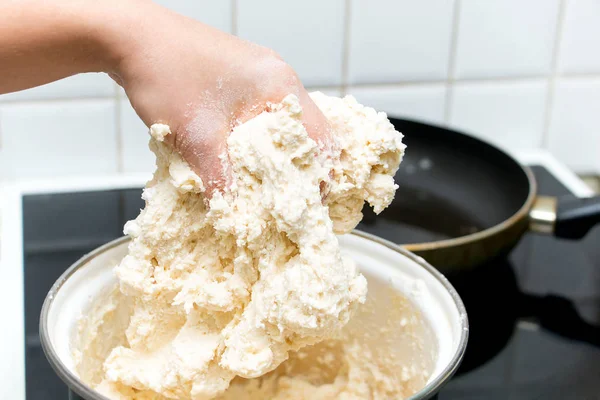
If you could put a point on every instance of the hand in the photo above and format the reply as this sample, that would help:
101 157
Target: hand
202 82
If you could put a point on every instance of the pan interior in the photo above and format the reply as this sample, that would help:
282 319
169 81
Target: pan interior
450 185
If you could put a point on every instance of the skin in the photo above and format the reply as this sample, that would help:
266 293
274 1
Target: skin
175 70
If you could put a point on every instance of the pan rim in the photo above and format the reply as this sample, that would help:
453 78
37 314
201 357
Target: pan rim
519 215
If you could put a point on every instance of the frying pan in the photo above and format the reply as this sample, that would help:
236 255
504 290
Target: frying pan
462 202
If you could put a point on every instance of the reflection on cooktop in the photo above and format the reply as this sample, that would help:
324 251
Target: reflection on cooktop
491 297
534 318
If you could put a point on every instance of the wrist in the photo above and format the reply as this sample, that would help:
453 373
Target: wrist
116 29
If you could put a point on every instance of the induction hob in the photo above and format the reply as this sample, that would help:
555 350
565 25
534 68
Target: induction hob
534 316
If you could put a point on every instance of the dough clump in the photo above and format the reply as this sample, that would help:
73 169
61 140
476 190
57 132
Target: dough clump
229 289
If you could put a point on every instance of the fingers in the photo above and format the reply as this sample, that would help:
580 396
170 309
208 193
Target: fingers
319 129
202 143
274 80
316 124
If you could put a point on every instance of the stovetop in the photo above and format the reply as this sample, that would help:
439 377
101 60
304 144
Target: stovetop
534 317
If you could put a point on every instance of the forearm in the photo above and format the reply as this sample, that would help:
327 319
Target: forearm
43 41
175 70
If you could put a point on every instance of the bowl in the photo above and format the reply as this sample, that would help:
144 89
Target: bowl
428 327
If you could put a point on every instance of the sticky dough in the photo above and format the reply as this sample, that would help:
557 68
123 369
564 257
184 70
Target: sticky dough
230 289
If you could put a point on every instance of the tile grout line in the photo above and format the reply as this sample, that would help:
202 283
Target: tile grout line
578 75
451 62
374 85
390 85
553 75
509 79
346 49
234 17
55 99
119 131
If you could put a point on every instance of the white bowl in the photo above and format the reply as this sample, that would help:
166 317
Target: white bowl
384 265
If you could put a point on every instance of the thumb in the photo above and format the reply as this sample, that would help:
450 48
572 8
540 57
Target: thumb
202 143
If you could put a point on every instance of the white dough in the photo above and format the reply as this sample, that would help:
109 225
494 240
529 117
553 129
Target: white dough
231 289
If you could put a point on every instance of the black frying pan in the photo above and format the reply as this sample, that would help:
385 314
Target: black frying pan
462 201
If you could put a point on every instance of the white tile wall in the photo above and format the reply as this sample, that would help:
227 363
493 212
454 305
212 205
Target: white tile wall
574 134
505 38
136 156
510 115
78 86
62 138
423 102
211 12
579 51
308 34
521 74
399 40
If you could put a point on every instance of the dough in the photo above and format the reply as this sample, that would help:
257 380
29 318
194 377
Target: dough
229 290
386 351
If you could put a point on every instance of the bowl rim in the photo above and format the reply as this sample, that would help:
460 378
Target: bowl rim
87 392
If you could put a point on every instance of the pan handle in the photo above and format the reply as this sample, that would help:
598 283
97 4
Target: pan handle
566 217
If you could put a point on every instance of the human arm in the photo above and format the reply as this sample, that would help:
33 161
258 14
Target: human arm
175 70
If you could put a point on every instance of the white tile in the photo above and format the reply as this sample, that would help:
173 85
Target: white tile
399 40
420 102
62 138
574 134
580 46
137 157
505 38
210 12
307 34
82 85
508 114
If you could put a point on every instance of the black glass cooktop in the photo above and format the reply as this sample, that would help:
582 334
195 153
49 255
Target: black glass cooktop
534 317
